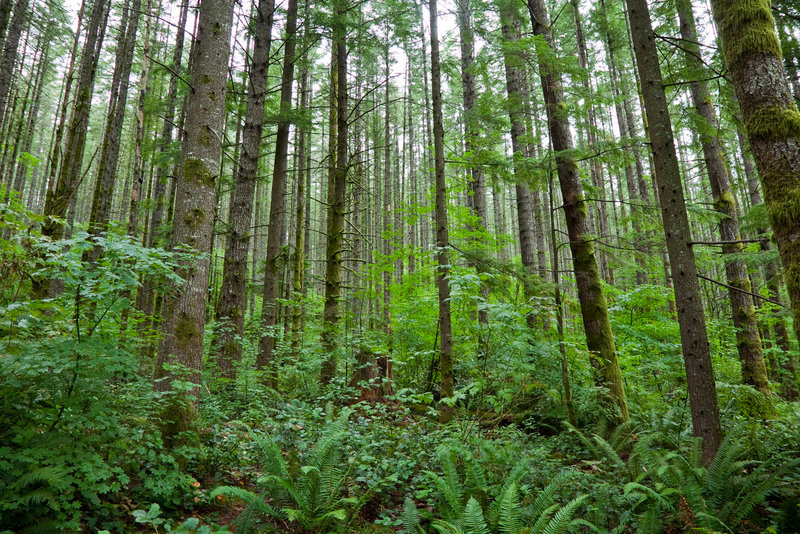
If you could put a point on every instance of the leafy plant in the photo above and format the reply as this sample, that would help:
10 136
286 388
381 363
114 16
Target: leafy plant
315 495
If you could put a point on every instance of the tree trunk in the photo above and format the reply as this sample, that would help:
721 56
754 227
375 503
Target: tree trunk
753 56
277 206
694 338
336 200
442 238
107 167
59 198
9 55
233 295
594 311
748 338
195 199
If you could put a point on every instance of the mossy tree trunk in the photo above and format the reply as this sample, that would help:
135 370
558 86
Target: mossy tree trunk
748 337
594 309
233 295
753 56
442 237
336 197
691 318
8 58
195 200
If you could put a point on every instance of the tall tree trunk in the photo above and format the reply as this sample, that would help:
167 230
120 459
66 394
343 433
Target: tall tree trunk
277 207
476 183
195 199
594 310
336 200
9 55
300 215
748 338
60 197
107 165
515 85
233 295
753 56
442 238
691 318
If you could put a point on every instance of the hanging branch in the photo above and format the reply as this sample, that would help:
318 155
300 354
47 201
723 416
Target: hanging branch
755 295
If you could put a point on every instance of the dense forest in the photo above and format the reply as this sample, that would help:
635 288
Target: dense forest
486 266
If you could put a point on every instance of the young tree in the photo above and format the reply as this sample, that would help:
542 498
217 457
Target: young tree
195 198
691 318
752 53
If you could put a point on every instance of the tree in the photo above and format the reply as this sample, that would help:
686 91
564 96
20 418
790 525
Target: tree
442 238
233 295
195 198
694 338
594 310
752 54
337 186
748 338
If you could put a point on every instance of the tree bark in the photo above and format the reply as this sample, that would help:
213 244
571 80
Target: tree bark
691 318
109 156
277 206
594 310
195 199
752 53
9 55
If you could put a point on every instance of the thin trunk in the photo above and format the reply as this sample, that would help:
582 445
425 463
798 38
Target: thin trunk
336 201
694 338
442 238
9 56
748 338
594 311
233 295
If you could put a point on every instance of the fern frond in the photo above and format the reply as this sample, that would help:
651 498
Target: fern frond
410 517
509 520
547 496
445 527
473 521
562 519
252 499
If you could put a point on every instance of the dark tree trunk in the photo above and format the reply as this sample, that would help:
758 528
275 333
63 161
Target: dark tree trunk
233 295
9 55
442 238
107 167
748 338
594 311
195 199
277 206
694 338
336 201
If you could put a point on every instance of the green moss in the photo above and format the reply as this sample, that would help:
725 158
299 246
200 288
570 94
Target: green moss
196 172
747 28
186 330
773 123
783 207
725 202
206 79
194 217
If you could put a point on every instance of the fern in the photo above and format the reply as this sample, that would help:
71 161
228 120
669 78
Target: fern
473 521
410 517
562 519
